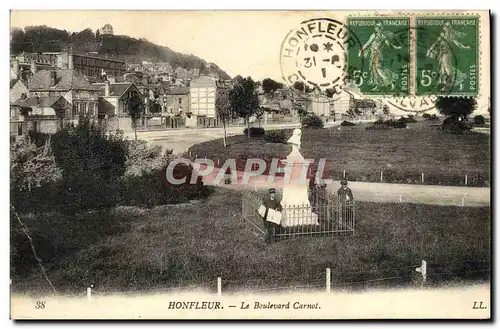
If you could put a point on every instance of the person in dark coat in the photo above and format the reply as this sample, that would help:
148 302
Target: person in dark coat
344 193
346 200
270 202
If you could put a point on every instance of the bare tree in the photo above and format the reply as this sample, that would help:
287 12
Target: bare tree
223 108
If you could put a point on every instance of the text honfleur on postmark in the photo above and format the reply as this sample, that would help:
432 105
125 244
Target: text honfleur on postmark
444 55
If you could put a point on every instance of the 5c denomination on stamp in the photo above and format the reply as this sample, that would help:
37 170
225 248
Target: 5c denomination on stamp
447 56
385 46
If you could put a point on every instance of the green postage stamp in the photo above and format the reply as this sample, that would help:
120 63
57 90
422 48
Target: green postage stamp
382 65
447 56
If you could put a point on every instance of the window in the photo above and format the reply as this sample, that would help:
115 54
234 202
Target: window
180 100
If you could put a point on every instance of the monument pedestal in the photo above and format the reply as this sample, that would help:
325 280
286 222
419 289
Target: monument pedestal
297 209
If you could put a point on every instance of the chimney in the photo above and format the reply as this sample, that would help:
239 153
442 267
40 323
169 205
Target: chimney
33 67
106 88
53 78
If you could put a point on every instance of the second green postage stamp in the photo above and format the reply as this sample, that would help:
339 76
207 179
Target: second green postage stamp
447 56
382 65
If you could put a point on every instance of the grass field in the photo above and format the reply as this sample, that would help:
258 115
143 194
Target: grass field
132 249
403 154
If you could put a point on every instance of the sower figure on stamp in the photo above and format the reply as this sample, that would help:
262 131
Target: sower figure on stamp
270 203
346 200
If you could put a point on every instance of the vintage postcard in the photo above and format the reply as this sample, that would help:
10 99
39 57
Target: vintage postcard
250 165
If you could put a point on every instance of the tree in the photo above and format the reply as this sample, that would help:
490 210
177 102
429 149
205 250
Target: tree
244 99
92 161
135 109
223 108
98 35
302 87
456 107
270 86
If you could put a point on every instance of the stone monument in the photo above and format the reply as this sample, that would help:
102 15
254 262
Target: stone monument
297 209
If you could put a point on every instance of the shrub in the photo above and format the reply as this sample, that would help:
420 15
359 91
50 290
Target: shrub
401 123
275 136
479 120
426 115
311 121
409 119
254 131
347 124
91 162
433 118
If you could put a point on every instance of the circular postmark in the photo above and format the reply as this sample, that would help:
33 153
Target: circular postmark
315 55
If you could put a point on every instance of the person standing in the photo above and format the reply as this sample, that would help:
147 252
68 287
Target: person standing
346 204
270 202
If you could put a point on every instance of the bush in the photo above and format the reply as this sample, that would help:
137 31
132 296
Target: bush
275 136
311 121
401 123
434 118
426 115
409 119
347 124
254 131
479 120
91 162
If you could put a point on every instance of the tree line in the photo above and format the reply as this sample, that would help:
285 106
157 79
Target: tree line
37 39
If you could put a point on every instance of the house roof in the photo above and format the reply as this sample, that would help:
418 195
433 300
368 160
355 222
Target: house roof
65 80
203 81
48 101
13 82
177 91
115 89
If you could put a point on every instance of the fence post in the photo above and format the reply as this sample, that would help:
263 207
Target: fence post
219 286
423 270
381 176
328 279
89 293
422 178
344 174
400 199
465 179
463 201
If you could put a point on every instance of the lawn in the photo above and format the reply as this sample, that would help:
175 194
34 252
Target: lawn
403 154
130 248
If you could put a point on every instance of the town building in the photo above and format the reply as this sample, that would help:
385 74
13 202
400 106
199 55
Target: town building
106 30
202 103
40 114
75 88
17 89
113 104
91 66
176 101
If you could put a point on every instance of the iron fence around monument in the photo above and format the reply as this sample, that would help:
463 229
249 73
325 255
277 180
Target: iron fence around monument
325 214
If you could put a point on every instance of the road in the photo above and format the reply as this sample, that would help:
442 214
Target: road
380 192
180 140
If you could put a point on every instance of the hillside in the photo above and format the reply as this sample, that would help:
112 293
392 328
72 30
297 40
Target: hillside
131 50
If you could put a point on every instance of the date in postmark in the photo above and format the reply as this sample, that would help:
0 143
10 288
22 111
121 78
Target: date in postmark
315 53
447 56
385 48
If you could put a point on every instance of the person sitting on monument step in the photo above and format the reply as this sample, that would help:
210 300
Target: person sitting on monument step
270 202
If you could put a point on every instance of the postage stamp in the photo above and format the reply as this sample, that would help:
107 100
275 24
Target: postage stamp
447 56
385 44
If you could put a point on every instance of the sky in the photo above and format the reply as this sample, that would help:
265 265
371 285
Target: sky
244 43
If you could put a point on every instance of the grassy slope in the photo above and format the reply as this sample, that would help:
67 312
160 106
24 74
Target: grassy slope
133 248
364 153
